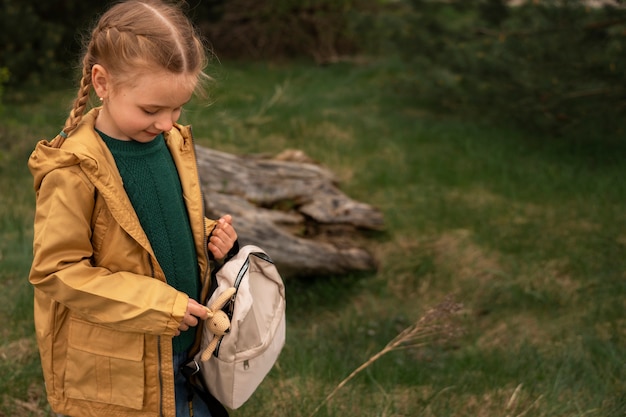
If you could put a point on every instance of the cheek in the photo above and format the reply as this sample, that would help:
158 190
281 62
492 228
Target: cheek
137 119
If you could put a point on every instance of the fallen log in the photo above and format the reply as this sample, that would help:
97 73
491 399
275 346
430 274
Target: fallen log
292 208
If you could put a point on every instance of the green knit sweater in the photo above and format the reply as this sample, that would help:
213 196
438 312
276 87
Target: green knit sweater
153 186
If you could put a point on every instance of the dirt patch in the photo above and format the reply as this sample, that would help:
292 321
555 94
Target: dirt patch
455 253
433 267
18 351
35 404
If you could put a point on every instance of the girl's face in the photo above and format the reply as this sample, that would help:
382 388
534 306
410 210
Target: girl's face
144 107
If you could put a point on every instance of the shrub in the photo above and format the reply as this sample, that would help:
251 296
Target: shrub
320 29
39 38
4 77
548 66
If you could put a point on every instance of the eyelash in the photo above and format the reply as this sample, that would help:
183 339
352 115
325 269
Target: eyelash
152 113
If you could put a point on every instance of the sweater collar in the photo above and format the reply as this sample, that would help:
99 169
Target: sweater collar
131 147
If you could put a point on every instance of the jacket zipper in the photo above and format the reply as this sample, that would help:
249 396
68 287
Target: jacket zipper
159 367
240 275
231 304
159 361
205 237
205 278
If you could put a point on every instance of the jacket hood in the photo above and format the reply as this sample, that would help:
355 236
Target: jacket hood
80 149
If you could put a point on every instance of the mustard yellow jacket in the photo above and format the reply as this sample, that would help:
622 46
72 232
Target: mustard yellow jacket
104 315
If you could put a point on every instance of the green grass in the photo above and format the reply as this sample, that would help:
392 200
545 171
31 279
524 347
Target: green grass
529 233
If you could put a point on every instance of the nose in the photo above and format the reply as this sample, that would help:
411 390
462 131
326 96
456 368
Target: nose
165 122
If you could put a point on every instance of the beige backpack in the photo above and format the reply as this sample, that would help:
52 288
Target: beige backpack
251 292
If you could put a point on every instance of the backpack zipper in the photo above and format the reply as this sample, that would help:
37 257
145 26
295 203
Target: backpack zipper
231 304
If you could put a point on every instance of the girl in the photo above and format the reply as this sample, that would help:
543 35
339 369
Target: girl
121 254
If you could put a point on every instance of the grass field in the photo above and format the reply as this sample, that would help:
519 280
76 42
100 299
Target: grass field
527 233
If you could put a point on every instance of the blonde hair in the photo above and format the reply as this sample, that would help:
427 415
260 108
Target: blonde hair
137 35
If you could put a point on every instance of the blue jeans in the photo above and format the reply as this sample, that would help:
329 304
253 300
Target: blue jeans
182 406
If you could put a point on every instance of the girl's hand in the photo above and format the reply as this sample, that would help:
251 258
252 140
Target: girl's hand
223 237
194 311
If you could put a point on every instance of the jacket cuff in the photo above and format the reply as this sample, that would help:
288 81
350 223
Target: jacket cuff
178 313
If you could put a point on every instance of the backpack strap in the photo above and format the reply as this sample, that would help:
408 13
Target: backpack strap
195 386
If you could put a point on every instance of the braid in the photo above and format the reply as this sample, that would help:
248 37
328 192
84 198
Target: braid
79 105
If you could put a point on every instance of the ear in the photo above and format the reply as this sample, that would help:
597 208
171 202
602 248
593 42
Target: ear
101 81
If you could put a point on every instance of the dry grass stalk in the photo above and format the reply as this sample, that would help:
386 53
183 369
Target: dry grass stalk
435 325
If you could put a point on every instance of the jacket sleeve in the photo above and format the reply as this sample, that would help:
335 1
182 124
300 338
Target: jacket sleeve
209 225
62 265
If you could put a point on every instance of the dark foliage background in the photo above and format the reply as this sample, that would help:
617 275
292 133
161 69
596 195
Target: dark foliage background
554 67
40 40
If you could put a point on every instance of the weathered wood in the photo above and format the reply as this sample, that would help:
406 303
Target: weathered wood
290 207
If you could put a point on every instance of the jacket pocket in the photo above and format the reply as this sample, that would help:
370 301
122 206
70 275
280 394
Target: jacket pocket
104 365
